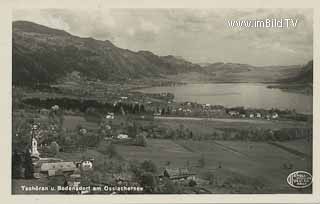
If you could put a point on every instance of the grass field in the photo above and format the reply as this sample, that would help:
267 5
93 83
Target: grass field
254 160
301 145
207 126
71 122
243 164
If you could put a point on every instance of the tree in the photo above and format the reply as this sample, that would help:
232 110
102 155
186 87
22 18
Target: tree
108 149
136 170
142 109
168 111
192 183
133 130
141 140
202 161
28 166
211 178
54 148
148 181
16 165
169 187
149 166
163 111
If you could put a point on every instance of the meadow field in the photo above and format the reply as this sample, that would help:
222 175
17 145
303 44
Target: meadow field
257 162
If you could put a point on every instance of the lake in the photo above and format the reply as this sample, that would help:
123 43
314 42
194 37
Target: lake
251 95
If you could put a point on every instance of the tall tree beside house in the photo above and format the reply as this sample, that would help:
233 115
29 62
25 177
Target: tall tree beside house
142 109
16 165
181 131
163 111
133 130
149 182
141 140
28 166
109 149
170 188
168 111
202 161
149 166
54 148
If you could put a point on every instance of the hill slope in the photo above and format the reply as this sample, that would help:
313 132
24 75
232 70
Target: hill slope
44 55
235 72
305 75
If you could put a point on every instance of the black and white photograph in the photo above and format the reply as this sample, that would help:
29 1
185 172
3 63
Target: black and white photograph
157 101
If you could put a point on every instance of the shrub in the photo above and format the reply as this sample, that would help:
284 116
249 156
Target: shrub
149 166
109 149
148 181
28 166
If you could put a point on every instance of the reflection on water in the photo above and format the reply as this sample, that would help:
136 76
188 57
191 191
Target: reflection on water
238 94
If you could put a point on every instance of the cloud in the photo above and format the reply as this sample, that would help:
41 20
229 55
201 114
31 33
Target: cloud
196 34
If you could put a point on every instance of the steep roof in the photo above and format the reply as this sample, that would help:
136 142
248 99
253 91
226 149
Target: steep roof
175 173
62 166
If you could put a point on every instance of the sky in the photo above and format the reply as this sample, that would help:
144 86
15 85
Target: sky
198 35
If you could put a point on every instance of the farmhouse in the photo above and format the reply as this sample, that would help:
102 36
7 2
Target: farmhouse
274 115
110 116
178 174
57 168
85 165
44 111
55 107
157 114
233 113
73 180
122 136
268 116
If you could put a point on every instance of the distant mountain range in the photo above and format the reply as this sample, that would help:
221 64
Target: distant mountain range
43 55
237 72
305 75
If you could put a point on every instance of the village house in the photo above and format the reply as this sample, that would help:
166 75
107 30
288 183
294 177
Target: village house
83 131
268 116
157 114
122 136
233 113
55 107
124 97
57 168
85 165
178 174
258 115
110 116
274 115
122 179
44 111
73 180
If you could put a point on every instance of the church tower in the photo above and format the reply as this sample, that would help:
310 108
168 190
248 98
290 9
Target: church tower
34 148
34 144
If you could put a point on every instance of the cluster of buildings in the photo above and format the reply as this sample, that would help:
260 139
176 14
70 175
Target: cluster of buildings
254 114
207 110
51 167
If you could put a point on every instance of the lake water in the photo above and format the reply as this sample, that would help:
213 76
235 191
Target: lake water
238 94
